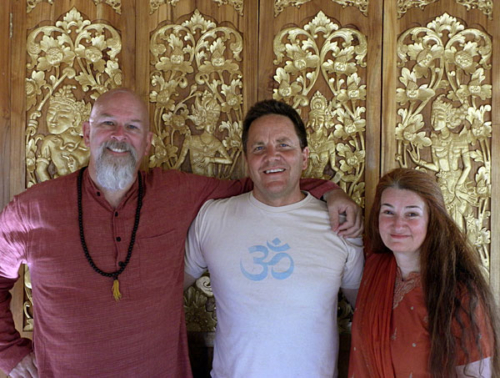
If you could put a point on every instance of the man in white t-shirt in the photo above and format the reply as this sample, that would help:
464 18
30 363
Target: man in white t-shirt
275 265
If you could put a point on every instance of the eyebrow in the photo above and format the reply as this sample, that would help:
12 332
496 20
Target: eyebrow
279 140
136 120
406 207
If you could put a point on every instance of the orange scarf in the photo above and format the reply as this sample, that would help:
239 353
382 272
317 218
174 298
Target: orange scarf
370 345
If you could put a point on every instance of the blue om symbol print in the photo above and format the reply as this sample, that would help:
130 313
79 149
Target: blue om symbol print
279 255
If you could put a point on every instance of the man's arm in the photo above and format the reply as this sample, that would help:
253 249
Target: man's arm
353 270
340 203
27 368
204 188
194 260
13 348
337 200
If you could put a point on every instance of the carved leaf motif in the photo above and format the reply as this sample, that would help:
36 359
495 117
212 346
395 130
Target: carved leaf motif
485 6
199 311
73 53
322 50
31 4
155 4
280 5
405 5
205 119
115 4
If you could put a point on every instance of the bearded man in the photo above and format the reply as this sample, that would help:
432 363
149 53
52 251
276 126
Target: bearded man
105 248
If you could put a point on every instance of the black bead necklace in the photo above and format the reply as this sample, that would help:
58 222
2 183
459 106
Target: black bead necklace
123 264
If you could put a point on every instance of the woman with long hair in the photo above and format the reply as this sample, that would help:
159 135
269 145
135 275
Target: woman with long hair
424 308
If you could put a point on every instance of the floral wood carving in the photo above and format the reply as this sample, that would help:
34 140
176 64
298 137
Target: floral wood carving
199 306
115 4
237 4
31 4
446 83
485 6
155 4
280 5
323 51
73 53
204 118
405 5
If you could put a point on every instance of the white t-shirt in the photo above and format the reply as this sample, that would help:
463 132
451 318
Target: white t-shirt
275 274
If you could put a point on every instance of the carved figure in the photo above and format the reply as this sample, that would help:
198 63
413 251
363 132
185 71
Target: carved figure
321 145
451 160
205 150
64 146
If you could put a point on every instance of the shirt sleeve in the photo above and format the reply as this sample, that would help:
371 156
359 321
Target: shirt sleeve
353 269
194 261
317 187
481 368
13 348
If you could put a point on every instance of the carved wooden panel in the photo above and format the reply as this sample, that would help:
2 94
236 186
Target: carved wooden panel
66 54
196 81
71 56
324 60
200 82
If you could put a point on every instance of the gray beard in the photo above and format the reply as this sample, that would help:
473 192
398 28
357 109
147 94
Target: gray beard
112 172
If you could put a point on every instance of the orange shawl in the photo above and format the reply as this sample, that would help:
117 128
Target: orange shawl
370 345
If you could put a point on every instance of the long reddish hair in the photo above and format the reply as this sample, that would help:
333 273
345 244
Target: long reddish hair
453 281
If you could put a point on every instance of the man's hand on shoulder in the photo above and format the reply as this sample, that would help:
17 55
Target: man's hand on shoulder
27 368
340 203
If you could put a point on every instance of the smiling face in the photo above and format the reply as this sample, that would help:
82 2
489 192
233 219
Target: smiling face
275 160
403 221
118 126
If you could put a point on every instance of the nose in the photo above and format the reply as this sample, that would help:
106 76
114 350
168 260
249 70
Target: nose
119 133
273 153
399 222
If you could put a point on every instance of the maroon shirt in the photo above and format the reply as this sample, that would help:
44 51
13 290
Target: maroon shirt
80 330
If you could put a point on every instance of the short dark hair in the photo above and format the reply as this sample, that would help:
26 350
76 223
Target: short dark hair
268 107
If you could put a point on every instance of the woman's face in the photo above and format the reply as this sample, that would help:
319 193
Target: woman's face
403 220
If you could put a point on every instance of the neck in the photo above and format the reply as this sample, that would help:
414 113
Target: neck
114 197
279 201
408 263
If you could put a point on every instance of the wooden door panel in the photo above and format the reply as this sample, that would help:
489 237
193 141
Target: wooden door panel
66 54
201 78
69 53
